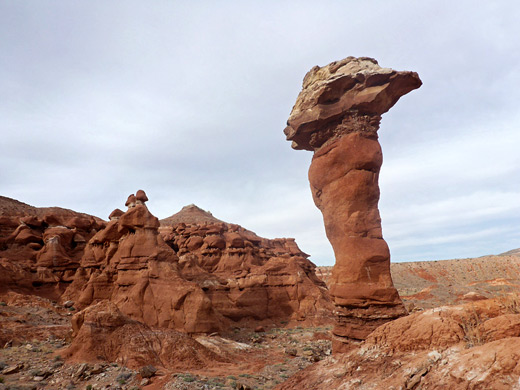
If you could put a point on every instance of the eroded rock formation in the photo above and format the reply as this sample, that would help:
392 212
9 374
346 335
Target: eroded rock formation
103 333
40 248
129 264
196 273
249 279
337 116
471 346
190 272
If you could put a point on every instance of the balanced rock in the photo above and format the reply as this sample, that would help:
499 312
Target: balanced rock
116 214
337 116
141 197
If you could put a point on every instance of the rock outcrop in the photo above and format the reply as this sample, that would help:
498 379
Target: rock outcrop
190 272
129 264
472 346
337 116
103 333
194 276
249 279
40 248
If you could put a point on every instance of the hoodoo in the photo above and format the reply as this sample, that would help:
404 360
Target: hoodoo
337 116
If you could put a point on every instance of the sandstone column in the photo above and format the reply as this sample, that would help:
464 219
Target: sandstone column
337 116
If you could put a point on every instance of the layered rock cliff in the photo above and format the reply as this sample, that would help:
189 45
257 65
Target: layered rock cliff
190 272
248 278
41 248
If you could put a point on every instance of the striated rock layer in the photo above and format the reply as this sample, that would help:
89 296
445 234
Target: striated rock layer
190 272
337 116
198 276
249 279
41 248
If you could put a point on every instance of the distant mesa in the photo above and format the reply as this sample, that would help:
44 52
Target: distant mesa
190 214
512 252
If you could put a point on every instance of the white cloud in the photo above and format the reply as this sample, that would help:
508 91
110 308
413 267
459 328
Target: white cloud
188 101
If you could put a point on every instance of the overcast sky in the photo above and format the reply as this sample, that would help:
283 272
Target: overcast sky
188 101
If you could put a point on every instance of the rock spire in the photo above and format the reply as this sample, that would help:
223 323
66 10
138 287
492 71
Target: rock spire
337 116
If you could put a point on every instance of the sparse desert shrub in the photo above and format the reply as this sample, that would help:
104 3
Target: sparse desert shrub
89 387
2 380
472 334
3 304
511 303
188 378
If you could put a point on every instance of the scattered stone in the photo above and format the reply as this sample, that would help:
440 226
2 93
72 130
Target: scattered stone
124 376
97 369
80 372
12 369
68 304
147 371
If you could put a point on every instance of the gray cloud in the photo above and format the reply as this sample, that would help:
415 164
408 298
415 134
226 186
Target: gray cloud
189 100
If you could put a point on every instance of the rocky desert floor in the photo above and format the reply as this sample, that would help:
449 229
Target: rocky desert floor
35 331
38 330
429 284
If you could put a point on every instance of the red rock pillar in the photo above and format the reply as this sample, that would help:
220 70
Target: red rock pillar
337 116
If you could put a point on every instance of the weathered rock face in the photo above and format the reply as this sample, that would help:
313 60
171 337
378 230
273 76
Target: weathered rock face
189 272
337 116
40 248
129 264
249 279
472 346
103 333
196 276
